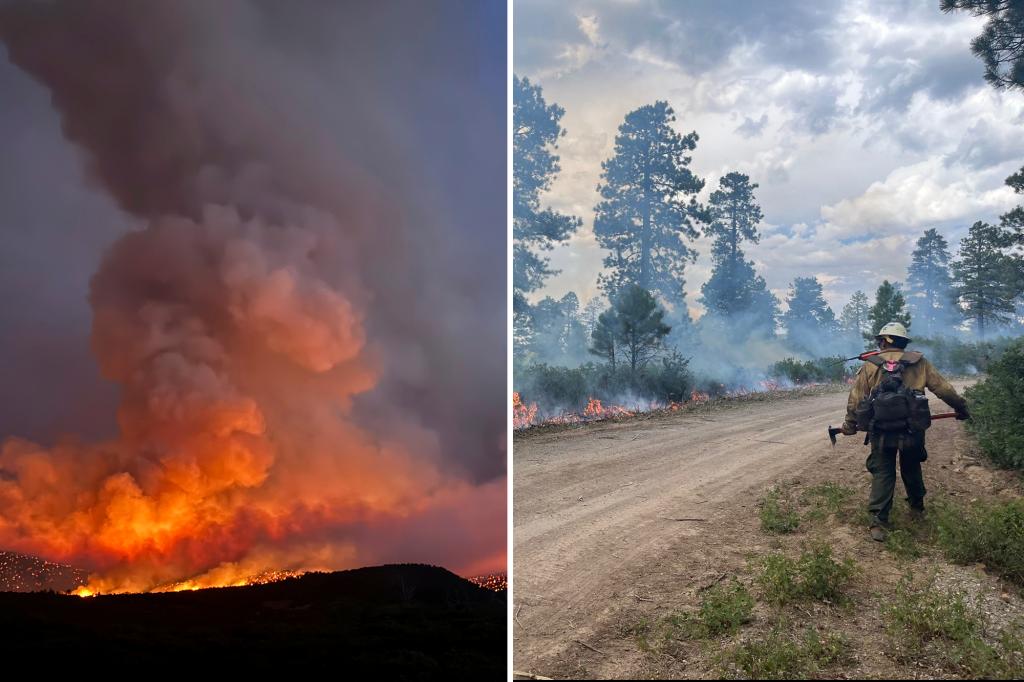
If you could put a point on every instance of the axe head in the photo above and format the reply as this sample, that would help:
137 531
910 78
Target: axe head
832 434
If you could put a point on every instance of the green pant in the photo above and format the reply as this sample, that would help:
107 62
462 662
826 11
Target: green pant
882 465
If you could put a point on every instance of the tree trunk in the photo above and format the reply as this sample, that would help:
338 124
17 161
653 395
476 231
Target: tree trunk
645 246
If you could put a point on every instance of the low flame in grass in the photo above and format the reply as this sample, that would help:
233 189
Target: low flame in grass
595 410
523 415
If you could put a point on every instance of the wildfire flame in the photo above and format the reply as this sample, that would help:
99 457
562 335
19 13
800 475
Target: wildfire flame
235 318
522 415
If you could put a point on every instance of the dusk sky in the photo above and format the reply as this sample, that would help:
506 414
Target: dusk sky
864 123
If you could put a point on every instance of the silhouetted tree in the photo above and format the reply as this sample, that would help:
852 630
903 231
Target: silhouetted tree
734 289
1000 46
558 334
809 320
604 338
853 320
536 130
929 286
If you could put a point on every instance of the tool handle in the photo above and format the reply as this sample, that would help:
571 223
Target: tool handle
944 415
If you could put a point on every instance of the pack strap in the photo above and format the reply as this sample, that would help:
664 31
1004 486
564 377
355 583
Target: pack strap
908 358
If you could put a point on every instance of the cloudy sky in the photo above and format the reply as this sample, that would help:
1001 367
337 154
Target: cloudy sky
864 123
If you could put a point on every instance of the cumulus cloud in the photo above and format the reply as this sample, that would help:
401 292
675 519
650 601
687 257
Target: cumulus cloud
920 194
862 121
752 128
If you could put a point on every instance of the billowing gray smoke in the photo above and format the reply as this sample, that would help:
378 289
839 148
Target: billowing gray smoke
308 326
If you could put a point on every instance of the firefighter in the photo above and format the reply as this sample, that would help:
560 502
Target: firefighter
908 373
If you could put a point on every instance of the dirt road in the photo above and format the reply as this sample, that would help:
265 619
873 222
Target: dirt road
600 511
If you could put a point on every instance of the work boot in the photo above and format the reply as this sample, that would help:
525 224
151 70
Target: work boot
916 514
878 533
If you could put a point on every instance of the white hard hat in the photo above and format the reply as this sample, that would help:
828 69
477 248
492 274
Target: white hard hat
893 329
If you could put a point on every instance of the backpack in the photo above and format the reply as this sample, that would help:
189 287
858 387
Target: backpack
891 407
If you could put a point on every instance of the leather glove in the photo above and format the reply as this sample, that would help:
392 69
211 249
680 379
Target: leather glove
963 414
849 429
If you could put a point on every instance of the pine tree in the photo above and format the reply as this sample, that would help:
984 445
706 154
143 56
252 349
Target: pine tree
809 320
604 338
853 320
929 285
641 326
984 277
890 306
536 130
734 288
1000 46
558 335
648 206
591 312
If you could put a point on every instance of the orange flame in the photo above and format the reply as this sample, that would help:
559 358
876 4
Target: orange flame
522 415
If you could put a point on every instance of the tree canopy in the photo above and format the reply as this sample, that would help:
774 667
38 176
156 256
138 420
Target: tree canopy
536 130
1000 45
634 328
890 306
929 286
648 208
734 288
808 319
984 277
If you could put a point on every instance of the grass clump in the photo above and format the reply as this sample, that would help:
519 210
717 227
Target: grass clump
724 608
780 656
926 623
902 545
826 499
815 575
989 532
778 515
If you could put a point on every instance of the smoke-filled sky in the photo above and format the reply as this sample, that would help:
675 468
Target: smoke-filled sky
863 122
252 286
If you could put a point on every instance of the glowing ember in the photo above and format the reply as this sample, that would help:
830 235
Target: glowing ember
495 581
205 583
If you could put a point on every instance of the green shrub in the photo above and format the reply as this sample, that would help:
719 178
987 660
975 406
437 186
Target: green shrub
997 408
778 515
924 622
826 498
815 575
778 656
830 369
724 608
557 390
955 356
988 532
901 544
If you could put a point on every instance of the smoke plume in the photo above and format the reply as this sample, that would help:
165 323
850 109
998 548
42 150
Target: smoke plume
306 330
